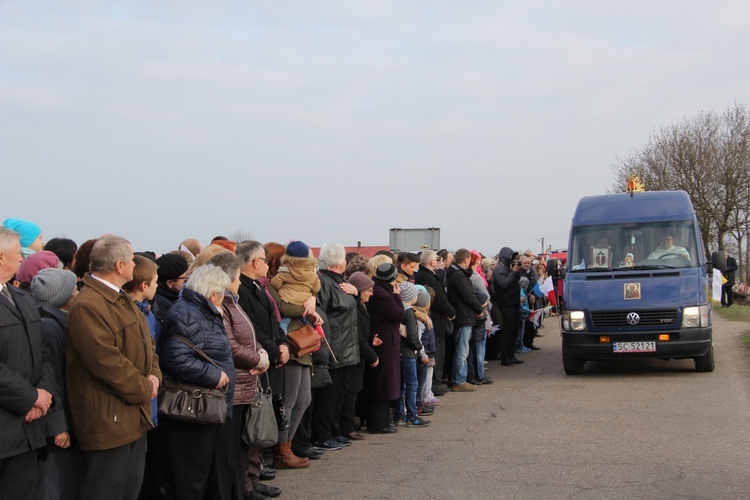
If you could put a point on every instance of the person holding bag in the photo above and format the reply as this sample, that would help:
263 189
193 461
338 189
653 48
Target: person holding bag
250 360
197 316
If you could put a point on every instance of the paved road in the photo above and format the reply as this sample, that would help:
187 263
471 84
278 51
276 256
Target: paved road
634 429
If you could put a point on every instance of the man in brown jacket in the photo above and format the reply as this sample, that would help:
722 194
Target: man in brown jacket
112 375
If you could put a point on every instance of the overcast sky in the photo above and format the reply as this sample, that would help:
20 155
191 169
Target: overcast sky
335 121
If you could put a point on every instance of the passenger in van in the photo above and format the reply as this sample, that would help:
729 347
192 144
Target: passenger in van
668 248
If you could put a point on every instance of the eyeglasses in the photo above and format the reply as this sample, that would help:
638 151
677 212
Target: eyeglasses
439 259
263 259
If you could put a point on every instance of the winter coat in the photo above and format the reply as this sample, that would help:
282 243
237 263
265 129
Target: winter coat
507 289
25 367
461 296
58 418
410 344
164 298
109 356
525 309
294 313
440 309
367 354
198 320
341 309
247 353
296 280
386 313
729 273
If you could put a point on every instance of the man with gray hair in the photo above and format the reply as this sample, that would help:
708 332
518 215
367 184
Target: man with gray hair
441 310
26 379
112 374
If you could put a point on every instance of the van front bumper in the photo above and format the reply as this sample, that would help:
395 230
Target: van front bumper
688 343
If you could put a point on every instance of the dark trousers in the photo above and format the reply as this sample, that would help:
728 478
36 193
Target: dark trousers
191 451
437 373
19 477
726 295
509 332
252 471
114 474
348 412
329 403
529 334
226 476
450 350
156 478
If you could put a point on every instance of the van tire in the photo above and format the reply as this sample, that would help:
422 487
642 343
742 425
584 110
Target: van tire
705 363
573 366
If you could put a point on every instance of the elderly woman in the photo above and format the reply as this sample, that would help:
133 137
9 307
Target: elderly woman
250 360
332 407
197 316
386 313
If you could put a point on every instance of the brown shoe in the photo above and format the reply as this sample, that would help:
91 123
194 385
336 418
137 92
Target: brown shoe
283 458
465 387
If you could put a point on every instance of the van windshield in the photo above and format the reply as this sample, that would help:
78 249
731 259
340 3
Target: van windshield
652 245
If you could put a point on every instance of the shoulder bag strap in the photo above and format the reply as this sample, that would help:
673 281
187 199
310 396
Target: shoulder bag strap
196 349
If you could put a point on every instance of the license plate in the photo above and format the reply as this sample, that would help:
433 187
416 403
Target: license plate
634 346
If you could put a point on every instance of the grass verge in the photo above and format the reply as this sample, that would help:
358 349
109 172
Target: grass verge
734 313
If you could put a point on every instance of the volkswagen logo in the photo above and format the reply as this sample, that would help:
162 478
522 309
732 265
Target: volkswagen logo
633 319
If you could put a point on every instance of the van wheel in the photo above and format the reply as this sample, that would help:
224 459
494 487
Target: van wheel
572 366
705 363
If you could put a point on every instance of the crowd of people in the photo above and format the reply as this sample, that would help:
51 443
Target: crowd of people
89 333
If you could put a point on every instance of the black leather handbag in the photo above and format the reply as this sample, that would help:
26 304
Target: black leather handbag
190 402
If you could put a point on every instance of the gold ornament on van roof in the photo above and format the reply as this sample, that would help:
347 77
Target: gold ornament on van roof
634 184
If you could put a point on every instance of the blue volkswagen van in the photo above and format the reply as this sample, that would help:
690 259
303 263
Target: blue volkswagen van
637 282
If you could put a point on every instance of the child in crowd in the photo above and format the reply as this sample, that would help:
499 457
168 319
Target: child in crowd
296 280
32 239
410 346
54 291
525 311
425 399
142 289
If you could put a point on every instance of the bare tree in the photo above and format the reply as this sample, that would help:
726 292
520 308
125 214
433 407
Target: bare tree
241 235
708 156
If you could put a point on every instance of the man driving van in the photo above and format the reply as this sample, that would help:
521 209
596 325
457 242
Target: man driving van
668 248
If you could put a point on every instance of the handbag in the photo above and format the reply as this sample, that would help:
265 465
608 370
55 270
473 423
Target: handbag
303 340
192 403
261 429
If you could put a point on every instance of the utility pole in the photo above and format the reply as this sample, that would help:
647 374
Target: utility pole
542 244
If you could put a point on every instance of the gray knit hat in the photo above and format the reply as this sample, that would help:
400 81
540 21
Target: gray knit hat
53 286
408 291
423 298
386 272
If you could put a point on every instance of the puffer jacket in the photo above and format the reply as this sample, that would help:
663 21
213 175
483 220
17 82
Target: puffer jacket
247 353
507 289
341 309
197 319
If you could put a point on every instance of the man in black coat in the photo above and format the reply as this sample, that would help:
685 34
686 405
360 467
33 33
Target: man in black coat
26 378
506 274
726 289
255 302
461 296
441 310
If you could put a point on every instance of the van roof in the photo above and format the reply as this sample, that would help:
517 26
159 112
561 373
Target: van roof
644 206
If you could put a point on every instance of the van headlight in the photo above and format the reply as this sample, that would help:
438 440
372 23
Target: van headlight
695 317
573 321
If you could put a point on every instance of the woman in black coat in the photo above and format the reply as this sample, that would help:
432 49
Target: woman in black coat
386 313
